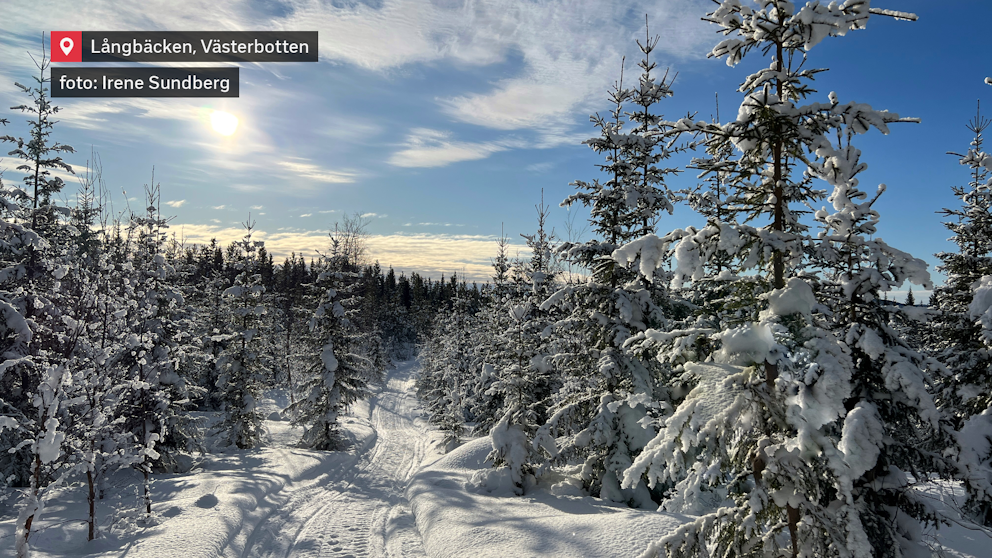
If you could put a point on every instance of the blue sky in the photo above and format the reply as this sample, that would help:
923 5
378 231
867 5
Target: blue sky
442 120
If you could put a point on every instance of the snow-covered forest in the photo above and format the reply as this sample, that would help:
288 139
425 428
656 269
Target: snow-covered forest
743 387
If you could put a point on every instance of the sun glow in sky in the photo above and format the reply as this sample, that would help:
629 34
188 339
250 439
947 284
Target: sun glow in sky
444 129
223 123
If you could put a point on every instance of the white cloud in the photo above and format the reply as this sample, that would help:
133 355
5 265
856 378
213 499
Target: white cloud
307 215
540 167
219 206
175 203
372 215
571 55
257 207
425 147
306 169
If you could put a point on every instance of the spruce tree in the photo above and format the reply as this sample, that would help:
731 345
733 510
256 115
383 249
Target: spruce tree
599 418
956 336
337 373
960 331
798 413
35 342
240 377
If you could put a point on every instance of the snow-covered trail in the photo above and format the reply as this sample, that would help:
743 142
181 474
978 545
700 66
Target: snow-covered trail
357 508
277 500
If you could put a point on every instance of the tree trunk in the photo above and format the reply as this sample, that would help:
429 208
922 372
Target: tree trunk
22 546
778 225
793 514
91 499
771 374
148 492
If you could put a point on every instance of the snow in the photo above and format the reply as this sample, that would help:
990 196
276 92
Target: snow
745 345
388 494
651 250
277 500
795 298
49 447
981 305
861 439
458 520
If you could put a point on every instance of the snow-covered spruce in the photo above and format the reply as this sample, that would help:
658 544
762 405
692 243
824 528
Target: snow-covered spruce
600 417
239 378
512 402
800 440
337 375
446 384
35 342
956 336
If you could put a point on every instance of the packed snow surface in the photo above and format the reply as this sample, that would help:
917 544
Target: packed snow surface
389 495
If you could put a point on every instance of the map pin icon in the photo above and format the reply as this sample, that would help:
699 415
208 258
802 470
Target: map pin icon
66 44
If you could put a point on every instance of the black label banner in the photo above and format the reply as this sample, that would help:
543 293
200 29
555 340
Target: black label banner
199 46
144 82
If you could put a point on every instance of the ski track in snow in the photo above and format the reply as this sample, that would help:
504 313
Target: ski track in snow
358 508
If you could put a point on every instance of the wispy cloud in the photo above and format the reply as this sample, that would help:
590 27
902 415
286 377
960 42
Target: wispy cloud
540 167
428 224
556 85
425 147
176 203
306 169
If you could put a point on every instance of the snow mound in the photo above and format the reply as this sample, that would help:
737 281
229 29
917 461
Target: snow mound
458 519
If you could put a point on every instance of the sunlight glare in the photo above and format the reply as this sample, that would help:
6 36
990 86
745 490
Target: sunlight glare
224 123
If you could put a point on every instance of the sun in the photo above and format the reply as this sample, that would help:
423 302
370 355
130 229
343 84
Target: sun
224 123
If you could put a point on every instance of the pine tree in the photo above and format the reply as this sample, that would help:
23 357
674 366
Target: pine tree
799 413
337 374
240 378
957 338
596 417
35 342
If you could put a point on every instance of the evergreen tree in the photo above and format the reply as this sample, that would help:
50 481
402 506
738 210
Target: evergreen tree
449 362
240 377
800 413
155 397
517 369
35 342
597 417
337 375
956 336
960 336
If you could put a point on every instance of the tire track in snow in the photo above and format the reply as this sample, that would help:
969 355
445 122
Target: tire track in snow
358 508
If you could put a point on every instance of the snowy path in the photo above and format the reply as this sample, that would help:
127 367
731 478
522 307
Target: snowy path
358 507
273 501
